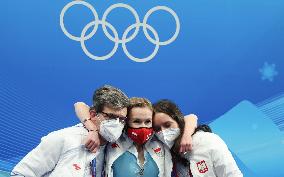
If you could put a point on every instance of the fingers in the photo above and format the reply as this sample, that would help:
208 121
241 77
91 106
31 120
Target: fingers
185 148
190 147
89 144
181 149
92 146
95 150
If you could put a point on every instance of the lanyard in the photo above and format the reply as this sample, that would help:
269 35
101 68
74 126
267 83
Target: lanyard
93 167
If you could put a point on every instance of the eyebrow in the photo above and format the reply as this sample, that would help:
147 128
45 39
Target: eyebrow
117 115
168 122
141 119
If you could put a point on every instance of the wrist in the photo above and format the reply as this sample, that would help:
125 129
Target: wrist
85 120
92 130
189 130
89 125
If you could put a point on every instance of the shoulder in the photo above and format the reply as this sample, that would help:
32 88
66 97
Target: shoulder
207 138
60 137
155 141
76 129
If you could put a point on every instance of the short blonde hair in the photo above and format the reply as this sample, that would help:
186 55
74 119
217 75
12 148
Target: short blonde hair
140 103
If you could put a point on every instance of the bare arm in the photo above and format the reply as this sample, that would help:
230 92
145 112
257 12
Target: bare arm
189 128
83 113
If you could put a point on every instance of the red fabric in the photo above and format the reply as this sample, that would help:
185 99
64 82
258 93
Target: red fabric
139 135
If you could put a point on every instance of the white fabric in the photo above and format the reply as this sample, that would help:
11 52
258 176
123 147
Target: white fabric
60 154
210 157
168 136
111 130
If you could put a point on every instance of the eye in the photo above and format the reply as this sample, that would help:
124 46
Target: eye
112 116
148 121
168 125
136 121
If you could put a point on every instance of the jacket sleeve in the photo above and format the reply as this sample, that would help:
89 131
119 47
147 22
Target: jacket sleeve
223 161
42 159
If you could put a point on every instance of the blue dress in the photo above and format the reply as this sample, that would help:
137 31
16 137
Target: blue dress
126 166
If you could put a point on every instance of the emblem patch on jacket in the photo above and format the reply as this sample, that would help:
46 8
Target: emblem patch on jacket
114 145
76 166
202 167
158 151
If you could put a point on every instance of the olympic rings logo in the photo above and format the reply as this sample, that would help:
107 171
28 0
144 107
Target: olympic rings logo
94 24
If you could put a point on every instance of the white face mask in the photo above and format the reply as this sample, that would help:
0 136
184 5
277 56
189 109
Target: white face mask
111 129
168 136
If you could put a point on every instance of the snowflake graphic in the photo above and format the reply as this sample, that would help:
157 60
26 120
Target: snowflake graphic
268 72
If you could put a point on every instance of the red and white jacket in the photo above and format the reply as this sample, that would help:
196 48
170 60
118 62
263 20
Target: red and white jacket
61 153
210 157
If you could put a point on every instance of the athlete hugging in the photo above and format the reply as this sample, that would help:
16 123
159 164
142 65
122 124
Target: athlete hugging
124 137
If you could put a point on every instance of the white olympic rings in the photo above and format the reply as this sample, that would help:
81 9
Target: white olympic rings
96 22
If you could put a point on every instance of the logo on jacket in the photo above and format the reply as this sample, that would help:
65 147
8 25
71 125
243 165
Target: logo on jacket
76 166
114 145
202 167
158 151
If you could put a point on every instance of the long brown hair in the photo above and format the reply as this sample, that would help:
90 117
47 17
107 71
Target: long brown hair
172 110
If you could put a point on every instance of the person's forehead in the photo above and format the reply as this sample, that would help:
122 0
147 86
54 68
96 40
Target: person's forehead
141 111
161 118
120 112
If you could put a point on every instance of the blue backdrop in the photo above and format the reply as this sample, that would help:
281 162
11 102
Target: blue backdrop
225 66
